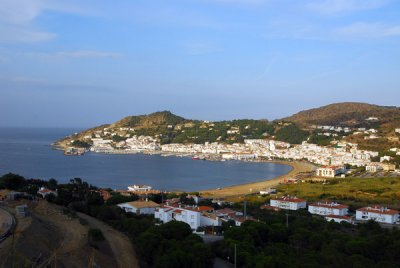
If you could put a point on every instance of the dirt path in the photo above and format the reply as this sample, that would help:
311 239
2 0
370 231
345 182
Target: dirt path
236 190
121 246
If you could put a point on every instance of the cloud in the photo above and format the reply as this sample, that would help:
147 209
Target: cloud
199 48
12 33
17 19
367 30
329 7
77 54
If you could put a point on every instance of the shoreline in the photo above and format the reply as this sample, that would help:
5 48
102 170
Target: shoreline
232 190
254 187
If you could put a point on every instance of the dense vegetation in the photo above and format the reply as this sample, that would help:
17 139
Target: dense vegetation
170 242
81 144
309 242
320 140
291 134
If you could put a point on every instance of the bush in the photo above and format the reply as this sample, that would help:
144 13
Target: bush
96 235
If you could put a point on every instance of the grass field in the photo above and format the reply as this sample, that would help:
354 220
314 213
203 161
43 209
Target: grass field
353 191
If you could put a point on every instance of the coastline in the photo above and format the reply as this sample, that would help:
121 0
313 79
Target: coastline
249 188
233 190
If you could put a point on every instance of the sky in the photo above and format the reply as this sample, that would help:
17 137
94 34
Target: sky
81 63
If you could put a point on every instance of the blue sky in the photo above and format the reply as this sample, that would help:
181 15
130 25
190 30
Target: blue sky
87 62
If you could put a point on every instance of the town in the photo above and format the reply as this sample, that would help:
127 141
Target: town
338 153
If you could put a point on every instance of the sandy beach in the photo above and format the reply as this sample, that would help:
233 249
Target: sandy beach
243 189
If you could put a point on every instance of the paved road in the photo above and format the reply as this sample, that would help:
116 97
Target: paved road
120 244
6 221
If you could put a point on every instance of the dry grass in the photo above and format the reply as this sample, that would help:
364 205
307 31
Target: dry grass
359 190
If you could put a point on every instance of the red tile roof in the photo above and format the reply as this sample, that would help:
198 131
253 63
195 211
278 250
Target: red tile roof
289 199
268 207
380 210
329 205
338 217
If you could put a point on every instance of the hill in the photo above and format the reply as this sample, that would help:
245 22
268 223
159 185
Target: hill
359 117
350 114
156 119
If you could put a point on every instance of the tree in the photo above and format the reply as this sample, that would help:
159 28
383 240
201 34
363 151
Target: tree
175 230
12 181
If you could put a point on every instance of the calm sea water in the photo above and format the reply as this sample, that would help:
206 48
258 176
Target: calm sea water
27 151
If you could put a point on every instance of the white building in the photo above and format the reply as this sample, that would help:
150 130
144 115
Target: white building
373 167
330 171
139 188
291 203
338 218
397 130
326 208
139 207
210 219
45 192
194 216
379 214
385 158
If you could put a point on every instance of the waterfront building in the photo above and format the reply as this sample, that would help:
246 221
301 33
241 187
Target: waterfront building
330 171
379 214
286 202
373 167
139 188
328 208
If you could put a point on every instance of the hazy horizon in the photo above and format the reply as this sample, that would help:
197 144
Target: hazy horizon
90 62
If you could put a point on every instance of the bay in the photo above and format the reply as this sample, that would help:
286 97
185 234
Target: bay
28 152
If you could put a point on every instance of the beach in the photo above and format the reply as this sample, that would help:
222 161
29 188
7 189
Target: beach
249 188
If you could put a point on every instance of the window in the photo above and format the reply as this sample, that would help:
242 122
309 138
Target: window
192 217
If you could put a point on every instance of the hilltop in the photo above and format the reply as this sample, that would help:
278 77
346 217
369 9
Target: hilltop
360 117
156 119
350 114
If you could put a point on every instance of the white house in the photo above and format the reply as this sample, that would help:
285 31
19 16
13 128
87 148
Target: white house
291 203
139 188
326 208
139 207
339 218
330 171
45 192
379 214
397 130
194 216
373 167
210 219
385 158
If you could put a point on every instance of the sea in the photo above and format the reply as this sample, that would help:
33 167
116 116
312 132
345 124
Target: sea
28 152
